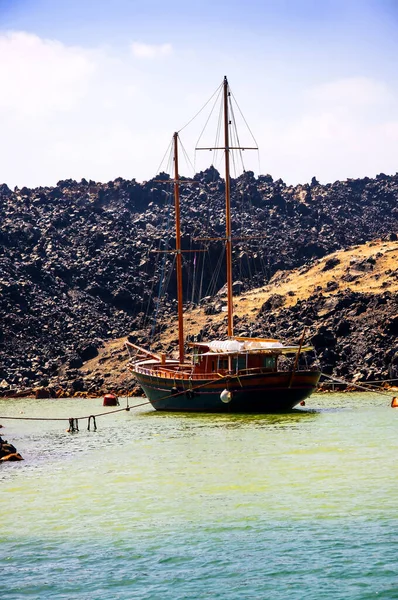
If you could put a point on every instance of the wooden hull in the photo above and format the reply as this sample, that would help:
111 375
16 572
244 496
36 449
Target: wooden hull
254 393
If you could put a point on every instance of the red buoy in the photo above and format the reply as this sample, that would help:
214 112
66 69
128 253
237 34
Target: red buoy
111 400
394 402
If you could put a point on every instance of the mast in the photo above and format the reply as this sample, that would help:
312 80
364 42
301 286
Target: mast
228 229
228 232
178 252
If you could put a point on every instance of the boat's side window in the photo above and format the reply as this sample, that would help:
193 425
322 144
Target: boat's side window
241 363
269 362
223 363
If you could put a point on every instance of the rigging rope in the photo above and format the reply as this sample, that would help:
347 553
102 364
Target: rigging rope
169 147
203 107
161 279
235 136
213 284
186 156
208 118
244 120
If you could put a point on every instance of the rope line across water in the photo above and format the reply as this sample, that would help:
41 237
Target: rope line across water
365 387
109 412
73 421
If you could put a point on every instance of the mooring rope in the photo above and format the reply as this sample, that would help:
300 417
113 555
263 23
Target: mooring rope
364 387
74 421
66 418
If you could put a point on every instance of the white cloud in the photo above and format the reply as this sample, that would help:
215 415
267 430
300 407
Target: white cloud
350 92
347 128
40 75
140 50
67 111
72 112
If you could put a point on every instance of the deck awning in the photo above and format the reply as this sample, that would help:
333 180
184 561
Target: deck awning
269 351
248 346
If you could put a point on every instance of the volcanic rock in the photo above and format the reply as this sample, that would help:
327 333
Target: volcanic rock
83 263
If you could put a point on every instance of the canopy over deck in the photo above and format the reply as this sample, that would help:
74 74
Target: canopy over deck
247 345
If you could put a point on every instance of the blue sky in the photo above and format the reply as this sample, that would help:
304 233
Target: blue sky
95 89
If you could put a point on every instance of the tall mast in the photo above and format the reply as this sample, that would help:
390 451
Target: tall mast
228 232
178 252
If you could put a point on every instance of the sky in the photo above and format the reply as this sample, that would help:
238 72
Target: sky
95 89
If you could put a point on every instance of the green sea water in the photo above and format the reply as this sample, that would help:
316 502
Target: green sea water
173 506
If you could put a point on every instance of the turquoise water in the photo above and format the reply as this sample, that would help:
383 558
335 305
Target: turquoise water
172 506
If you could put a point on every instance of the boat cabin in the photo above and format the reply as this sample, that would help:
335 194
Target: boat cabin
206 361
218 358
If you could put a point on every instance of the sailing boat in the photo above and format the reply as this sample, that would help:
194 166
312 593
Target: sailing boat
235 375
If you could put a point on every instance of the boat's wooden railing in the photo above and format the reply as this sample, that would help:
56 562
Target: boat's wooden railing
167 373
172 374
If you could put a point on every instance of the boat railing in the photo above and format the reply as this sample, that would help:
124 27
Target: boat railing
171 374
166 373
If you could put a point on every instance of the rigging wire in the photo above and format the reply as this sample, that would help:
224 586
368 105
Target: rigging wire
201 278
153 270
169 274
245 264
217 153
161 280
144 320
241 114
186 156
193 279
166 217
164 241
165 154
233 142
213 284
208 118
203 107
236 135
250 131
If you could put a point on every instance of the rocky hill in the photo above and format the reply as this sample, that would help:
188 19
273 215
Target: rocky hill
77 270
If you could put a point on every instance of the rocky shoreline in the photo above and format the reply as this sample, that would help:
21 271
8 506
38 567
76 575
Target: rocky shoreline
8 452
78 272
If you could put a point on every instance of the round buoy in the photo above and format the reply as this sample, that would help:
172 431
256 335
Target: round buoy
226 396
110 400
302 403
394 402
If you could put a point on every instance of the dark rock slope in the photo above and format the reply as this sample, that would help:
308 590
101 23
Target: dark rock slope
355 334
77 265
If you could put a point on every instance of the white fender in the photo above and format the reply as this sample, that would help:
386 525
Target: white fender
226 396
